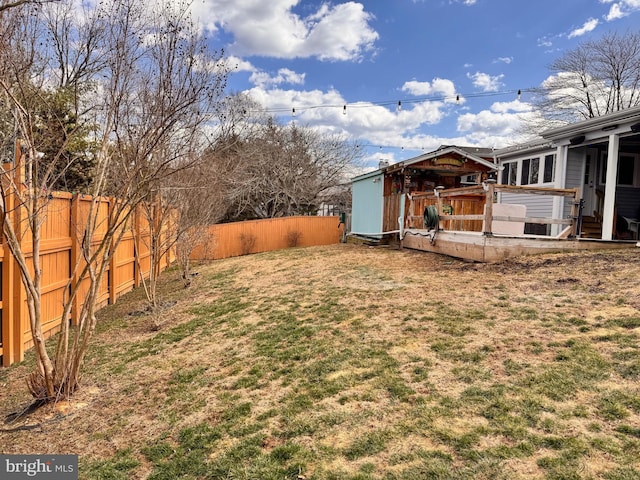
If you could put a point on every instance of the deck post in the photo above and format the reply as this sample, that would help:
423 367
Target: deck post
439 206
575 211
488 208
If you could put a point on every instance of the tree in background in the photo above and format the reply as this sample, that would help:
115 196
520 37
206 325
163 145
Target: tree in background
275 170
196 196
593 79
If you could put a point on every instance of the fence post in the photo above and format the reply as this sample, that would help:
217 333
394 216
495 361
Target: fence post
16 294
76 235
113 250
12 347
137 265
8 327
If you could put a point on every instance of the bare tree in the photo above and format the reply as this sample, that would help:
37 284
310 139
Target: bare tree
197 196
178 90
10 5
595 78
153 79
281 170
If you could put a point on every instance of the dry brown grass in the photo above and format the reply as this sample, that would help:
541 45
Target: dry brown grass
358 362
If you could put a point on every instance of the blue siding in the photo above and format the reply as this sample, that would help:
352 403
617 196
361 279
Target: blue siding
367 205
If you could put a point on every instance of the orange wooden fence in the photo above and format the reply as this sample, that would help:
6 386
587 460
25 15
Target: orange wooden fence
61 239
242 238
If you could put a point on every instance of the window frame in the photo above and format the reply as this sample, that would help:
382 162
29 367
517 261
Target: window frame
526 165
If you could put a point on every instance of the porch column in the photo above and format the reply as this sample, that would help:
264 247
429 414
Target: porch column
610 188
562 153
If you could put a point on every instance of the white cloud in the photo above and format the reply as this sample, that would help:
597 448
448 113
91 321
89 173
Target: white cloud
284 75
333 32
621 8
515 106
615 12
438 87
486 82
236 64
588 26
378 124
506 60
499 126
544 42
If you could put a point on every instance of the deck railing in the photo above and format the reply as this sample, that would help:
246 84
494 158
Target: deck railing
470 209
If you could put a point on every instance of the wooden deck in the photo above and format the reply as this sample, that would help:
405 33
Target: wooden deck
479 247
480 230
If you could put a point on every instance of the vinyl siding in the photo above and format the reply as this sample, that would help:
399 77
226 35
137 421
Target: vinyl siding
367 205
575 173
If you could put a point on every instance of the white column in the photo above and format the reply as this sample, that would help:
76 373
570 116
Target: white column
562 153
610 187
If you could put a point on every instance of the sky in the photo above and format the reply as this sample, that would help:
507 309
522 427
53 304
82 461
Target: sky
401 77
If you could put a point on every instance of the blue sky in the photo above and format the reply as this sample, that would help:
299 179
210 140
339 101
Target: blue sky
455 66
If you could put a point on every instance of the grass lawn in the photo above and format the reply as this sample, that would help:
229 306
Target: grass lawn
350 362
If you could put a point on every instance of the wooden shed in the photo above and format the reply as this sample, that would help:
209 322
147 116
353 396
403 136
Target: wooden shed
379 197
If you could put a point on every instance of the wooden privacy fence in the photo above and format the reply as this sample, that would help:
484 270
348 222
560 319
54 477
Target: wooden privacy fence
61 239
242 238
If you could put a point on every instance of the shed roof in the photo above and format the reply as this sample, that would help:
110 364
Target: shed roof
474 154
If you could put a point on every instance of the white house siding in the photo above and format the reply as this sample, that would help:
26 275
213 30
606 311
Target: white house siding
537 205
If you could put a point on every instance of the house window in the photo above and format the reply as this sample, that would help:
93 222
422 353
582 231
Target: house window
509 174
603 169
626 170
587 170
549 168
470 179
524 174
530 170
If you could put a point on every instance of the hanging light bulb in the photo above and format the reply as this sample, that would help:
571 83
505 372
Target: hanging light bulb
344 110
399 105
458 99
519 94
293 112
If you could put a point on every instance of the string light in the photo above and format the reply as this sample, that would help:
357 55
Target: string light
293 112
399 103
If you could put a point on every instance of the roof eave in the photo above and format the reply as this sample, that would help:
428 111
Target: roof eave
593 124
